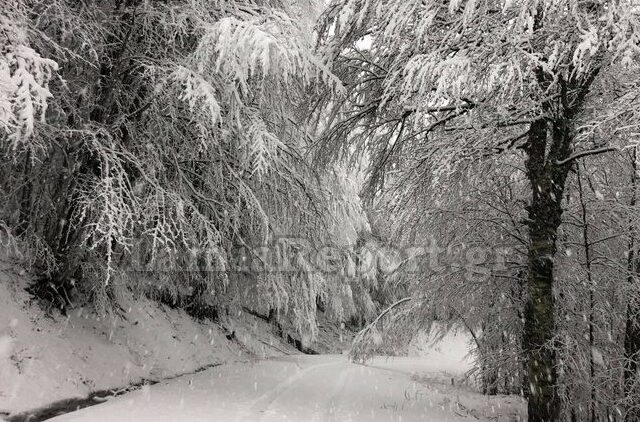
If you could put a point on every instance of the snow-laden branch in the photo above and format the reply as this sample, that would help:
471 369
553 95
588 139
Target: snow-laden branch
586 154
453 107
362 333
383 313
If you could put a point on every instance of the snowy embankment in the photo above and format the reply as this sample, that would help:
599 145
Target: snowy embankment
47 357
309 388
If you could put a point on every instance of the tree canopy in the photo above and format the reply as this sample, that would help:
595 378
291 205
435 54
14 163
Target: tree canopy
143 144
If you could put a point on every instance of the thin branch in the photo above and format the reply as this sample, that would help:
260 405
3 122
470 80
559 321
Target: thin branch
366 329
586 154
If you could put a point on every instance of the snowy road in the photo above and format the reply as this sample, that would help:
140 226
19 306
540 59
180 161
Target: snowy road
307 389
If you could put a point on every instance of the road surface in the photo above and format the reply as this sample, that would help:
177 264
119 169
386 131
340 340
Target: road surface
306 389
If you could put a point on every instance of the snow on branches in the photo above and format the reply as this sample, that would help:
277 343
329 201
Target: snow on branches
442 95
175 132
24 90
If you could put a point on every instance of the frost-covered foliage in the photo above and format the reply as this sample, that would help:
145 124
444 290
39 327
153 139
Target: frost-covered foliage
24 82
466 271
475 115
414 68
143 141
311 262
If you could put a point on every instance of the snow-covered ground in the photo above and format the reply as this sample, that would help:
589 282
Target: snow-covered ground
49 357
46 357
309 388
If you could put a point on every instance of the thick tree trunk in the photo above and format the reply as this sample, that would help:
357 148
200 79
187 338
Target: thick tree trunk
548 143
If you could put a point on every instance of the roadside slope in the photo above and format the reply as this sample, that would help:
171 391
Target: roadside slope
45 357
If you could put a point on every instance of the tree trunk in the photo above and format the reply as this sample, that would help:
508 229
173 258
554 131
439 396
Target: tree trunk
632 356
25 198
592 287
632 328
547 179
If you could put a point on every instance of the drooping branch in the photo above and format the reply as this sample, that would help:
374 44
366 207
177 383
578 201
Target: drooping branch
362 333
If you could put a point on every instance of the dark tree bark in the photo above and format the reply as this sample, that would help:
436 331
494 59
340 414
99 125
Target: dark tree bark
547 179
548 161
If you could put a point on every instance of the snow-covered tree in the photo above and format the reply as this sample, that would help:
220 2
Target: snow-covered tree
142 142
436 88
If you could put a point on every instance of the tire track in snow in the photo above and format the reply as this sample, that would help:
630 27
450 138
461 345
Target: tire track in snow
259 407
336 394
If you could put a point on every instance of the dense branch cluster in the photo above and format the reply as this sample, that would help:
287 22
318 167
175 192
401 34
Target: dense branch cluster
143 141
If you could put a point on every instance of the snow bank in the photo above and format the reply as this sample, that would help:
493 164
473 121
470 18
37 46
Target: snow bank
45 358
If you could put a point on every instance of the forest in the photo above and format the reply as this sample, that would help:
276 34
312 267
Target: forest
390 164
